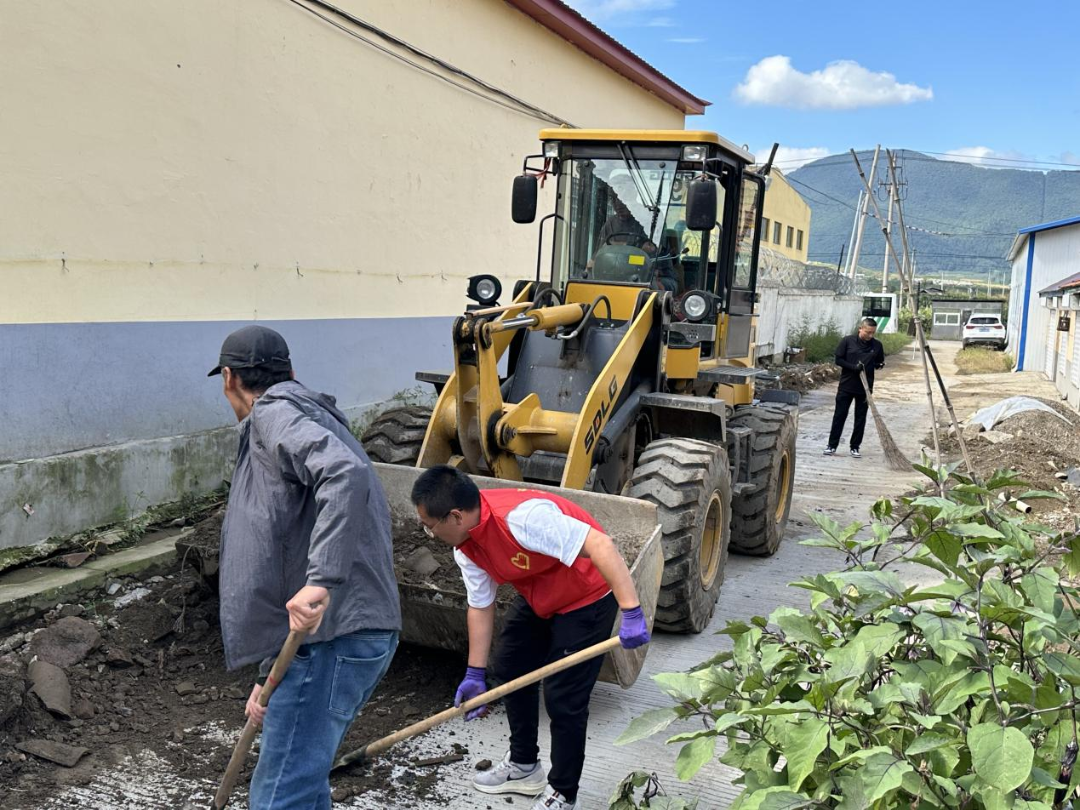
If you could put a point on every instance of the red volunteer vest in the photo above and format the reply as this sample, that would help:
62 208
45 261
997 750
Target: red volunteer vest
547 585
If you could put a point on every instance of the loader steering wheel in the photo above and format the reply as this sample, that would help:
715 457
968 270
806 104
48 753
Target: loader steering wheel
635 240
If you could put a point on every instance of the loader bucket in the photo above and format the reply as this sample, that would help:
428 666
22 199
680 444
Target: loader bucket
434 606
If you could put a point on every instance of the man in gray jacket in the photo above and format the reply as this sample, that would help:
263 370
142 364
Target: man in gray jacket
305 546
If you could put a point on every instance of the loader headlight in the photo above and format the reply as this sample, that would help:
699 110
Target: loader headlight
694 153
696 306
484 290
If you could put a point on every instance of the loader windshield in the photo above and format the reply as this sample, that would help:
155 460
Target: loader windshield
623 220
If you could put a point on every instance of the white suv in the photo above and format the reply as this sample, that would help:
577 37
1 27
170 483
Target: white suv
984 329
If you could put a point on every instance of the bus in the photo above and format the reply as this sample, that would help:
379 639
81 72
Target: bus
883 309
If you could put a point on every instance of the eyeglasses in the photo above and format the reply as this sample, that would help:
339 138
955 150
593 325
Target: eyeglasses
430 530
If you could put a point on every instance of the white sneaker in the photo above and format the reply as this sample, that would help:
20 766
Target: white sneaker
553 800
509 777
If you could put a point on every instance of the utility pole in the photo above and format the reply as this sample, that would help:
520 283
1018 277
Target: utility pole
841 261
888 230
864 212
854 230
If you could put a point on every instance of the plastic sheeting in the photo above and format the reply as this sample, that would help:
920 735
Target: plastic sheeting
1000 411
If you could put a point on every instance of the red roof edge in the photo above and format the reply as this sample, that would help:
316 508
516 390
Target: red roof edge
558 17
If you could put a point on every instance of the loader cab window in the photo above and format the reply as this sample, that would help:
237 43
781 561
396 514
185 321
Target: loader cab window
623 221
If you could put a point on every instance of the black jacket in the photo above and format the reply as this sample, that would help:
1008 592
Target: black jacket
850 354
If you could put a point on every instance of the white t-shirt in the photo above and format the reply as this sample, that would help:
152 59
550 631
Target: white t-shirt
537 525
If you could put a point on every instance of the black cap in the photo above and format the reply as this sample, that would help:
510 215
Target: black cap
254 347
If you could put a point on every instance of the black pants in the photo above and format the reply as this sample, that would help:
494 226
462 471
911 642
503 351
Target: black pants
528 642
843 404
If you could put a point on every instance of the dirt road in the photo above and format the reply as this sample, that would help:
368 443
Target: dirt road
841 487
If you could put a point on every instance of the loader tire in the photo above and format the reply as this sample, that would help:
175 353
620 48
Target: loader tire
759 516
690 483
395 437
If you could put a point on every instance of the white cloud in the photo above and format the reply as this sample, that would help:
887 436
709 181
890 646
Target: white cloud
686 40
789 158
841 85
987 157
660 22
617 11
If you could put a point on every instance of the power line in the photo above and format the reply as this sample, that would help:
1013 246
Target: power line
522 107
849 206
920 155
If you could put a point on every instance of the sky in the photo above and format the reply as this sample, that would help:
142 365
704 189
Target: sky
993 83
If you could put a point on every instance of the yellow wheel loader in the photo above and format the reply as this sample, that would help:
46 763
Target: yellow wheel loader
627 366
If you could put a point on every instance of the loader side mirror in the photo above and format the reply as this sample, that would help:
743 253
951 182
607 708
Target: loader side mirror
523 202
701 205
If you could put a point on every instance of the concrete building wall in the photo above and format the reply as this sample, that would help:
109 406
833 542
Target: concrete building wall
784 311
949 317
784 206
173 170
1045 258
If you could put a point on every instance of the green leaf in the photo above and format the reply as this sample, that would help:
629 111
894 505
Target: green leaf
927 721
1040 587
1002 757
796 626
977 530
1072 559
882 509
848 662
879 639
647 724
937 629
945 546
775 798
1064 666
693 757
953 697
1037 494
883 582
881 774
680 686
930 742
1043 779
804 742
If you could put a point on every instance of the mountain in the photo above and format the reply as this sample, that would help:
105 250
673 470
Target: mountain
979 208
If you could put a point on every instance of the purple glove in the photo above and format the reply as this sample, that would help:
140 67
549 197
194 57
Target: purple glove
633 631
473 685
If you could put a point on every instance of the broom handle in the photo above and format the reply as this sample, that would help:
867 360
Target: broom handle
251 728
377 747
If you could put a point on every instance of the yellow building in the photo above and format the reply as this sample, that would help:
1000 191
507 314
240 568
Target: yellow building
785 224
175 170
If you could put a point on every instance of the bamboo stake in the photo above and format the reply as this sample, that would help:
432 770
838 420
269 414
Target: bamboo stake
927 355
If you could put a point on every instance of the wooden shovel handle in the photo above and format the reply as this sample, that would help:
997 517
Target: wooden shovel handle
247 736
377 747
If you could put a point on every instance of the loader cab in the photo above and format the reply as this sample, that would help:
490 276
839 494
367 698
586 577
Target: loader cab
621 221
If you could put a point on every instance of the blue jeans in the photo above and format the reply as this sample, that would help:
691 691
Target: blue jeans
323 690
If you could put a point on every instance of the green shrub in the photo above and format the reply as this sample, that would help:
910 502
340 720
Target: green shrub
819 342
894 342
903 318
886 695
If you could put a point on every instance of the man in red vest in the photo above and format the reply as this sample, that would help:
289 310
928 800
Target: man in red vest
570 578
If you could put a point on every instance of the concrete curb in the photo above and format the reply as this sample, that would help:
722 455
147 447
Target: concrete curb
28 592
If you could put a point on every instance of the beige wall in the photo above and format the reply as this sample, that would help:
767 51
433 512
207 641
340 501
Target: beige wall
208 160
785 205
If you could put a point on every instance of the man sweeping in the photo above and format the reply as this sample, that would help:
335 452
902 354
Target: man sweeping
858 353
571 580
305 546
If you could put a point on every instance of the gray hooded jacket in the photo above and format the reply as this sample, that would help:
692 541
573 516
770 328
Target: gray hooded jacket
305 508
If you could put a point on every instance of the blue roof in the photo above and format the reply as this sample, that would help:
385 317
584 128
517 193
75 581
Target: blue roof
1046 226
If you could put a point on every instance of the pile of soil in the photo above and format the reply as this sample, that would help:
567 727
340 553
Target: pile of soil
123 677
1037 445
805 377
